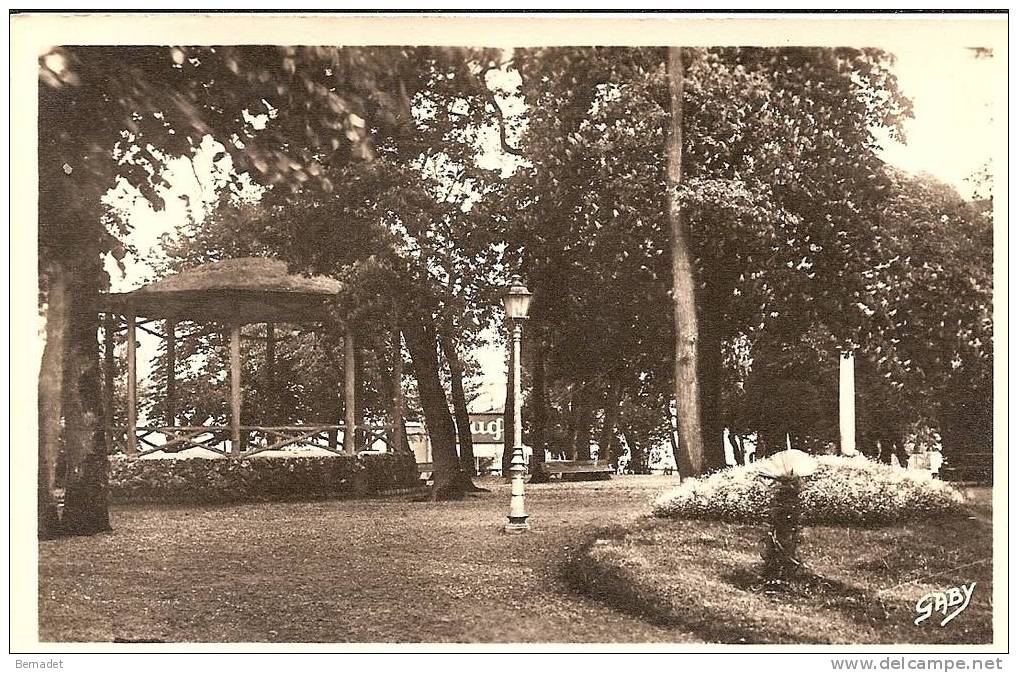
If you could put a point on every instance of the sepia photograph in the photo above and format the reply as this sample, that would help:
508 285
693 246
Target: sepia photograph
619 332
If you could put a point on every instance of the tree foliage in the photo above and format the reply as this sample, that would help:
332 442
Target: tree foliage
372 168
795 221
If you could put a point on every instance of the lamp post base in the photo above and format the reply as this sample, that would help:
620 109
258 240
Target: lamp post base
512 528
517 509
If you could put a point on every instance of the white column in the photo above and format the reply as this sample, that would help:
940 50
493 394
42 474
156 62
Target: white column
847 404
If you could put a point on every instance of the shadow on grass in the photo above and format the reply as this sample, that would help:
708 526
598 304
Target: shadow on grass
703 577
812 589
613 585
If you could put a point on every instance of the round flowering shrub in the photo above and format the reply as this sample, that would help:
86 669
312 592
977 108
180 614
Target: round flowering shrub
840 491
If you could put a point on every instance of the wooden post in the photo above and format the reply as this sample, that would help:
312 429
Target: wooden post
350 377
132 387
270 370
108 375
235 390
396 437
171 372
847 404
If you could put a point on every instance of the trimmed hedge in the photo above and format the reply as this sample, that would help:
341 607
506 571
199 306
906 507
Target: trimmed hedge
841 491
221 480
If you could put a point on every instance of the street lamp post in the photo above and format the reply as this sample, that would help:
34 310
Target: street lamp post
517 303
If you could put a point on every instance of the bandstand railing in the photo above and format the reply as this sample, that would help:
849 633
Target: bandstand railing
256 438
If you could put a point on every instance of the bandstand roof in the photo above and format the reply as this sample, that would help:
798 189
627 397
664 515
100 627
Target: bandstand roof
244 290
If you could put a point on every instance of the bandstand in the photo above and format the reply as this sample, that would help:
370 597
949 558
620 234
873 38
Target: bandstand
228 295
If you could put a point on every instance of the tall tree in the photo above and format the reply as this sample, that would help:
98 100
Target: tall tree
51 383
690 458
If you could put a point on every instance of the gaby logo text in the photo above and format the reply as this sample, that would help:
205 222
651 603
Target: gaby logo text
949 603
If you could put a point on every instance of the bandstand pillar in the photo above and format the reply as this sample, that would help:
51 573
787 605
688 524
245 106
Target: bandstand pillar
108 374
396 436
270 369
350 379
171 372
235 390
132 386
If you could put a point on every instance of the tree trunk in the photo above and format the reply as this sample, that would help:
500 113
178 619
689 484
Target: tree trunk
897 449
404 438
420 339
718 280
671 438
571 421
86 509
51 384
709 376
606 438
768 442
761 444
539 410
468 466
687 393
398 438
965 420
637 454
459 402
885 447
584 419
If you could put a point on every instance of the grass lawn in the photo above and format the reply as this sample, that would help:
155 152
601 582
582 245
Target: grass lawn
699 575
383 570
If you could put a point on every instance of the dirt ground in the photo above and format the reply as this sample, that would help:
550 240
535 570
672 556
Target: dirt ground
381 570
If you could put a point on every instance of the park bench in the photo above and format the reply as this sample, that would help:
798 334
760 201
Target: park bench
576 470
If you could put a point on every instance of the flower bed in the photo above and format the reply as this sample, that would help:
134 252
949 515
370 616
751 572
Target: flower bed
257 477
841 491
